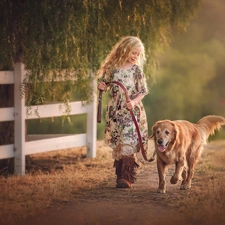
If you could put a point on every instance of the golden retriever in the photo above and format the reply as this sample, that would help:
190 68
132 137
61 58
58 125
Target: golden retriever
181 143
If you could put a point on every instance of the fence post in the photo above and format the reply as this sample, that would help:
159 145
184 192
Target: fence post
19 121
92 123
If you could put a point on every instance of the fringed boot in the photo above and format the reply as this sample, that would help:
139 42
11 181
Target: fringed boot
125 171
118 166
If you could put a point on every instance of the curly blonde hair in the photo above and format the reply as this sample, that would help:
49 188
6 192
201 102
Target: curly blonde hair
120 53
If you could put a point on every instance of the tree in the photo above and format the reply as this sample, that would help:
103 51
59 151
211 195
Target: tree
69 38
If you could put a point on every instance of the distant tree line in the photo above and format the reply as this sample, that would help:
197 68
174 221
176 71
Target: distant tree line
190 81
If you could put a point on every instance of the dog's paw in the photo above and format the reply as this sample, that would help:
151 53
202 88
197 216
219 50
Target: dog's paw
173 180
185 186
163 191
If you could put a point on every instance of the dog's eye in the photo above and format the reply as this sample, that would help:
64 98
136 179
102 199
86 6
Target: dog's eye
157 132
167 132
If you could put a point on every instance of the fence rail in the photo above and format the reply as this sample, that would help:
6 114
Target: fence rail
21 148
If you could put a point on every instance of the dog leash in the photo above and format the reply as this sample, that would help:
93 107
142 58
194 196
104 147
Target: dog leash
133 118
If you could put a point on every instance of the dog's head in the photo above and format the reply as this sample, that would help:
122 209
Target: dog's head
164 133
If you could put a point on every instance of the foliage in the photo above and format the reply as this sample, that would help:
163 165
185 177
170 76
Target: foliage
190 82
75 124
68 40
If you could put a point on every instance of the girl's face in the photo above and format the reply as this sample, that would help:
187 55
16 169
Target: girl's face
134 55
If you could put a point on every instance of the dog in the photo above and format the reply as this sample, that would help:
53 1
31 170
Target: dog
181 143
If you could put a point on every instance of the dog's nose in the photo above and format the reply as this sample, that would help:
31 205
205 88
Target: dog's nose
160 141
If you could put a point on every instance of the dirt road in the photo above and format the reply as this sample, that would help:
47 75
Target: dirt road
106 205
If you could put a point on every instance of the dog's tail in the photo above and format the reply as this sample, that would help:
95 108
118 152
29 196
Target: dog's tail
208 124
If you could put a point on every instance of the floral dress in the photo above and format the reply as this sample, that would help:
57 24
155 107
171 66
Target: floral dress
120 132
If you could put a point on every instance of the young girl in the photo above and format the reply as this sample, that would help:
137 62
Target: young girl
124 64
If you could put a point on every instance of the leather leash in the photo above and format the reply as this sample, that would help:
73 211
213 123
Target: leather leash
136 124
99 112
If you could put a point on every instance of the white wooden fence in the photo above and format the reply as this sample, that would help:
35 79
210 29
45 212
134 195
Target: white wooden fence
21 148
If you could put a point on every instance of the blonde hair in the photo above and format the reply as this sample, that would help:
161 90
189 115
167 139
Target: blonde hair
120 53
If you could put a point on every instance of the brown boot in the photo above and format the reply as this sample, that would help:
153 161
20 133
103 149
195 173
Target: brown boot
126 172
118 166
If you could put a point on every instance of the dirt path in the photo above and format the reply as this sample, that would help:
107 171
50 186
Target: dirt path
107 205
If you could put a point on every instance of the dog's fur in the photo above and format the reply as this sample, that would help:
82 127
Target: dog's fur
181 143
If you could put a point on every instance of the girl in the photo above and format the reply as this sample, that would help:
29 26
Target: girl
124 64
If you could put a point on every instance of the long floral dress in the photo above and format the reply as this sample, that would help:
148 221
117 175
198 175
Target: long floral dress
120 132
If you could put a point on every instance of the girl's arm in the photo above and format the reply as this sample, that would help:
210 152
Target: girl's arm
135 101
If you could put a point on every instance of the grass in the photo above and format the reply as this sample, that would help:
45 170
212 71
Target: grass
48 182
206 204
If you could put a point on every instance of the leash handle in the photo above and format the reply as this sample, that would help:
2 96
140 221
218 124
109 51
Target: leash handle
99 112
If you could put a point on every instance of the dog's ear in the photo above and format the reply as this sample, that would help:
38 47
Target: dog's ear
175 133
153 131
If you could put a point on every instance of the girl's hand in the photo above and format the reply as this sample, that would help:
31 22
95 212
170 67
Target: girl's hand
101 86
135 101
130 104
